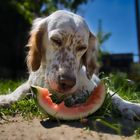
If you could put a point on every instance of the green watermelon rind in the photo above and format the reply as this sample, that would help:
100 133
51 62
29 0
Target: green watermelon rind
34 89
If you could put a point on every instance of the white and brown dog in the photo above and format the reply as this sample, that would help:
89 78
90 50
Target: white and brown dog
62 57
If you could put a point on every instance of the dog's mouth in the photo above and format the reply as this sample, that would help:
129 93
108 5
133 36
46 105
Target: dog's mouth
61 90
70 99
58 93
71 96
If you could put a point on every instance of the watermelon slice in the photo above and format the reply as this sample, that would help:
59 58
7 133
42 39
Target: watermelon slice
61 111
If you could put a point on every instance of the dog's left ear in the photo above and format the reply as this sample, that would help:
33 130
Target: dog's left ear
90 57
35 44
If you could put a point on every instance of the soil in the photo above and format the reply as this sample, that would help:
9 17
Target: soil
18 128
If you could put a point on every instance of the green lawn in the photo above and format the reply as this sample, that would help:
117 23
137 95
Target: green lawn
25 107
119 83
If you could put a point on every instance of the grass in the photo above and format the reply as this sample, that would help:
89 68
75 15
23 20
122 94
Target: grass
119 83
26 107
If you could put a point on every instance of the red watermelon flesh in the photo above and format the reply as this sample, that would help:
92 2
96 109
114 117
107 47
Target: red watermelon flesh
60 111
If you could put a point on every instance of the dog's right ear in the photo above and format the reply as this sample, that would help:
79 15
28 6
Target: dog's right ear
35 44
90 57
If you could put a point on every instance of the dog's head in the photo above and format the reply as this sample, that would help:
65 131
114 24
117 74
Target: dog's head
61 43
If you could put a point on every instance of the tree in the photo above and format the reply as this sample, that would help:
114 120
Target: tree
101 37
34 8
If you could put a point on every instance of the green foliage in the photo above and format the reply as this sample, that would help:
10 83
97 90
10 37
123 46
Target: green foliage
137 134
135 73
101 37
126 88
115 127
72 5
30 9
6 86
26 107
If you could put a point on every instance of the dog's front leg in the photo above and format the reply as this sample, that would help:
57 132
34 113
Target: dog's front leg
20 92
128 109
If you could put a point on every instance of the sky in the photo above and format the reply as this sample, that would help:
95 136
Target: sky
118 17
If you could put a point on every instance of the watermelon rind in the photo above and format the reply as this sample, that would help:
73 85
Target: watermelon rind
72 113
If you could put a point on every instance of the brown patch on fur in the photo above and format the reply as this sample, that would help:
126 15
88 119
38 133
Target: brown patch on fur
90 57
36 49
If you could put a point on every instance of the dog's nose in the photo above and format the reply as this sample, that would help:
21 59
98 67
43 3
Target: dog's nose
66 82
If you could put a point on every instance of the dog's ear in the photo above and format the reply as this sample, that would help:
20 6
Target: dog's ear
35 44
90 57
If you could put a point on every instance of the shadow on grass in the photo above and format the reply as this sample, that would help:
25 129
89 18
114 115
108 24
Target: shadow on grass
121 126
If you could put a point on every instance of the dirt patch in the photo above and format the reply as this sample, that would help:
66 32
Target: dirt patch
20 129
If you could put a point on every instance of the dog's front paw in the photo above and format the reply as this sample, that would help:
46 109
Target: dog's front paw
5 101
130 110
127 109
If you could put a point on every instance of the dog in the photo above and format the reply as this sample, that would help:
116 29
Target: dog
63 57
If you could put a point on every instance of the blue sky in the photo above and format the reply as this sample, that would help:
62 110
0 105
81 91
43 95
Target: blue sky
118 17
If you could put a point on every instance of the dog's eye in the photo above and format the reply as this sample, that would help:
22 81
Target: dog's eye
57 41
81 48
